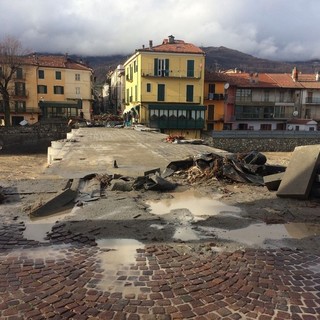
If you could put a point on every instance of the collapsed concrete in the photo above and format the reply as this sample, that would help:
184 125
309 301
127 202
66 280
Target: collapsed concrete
298 180
301 178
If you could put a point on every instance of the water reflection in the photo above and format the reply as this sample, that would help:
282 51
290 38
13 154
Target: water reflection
194 201
118 259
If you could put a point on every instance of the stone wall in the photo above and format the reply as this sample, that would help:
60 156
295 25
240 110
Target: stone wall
31 139
282 144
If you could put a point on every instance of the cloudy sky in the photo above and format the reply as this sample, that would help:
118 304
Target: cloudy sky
272 29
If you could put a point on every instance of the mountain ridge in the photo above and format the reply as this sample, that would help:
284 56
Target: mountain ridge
217 58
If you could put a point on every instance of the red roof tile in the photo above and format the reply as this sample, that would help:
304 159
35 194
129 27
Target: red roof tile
53 61
174 46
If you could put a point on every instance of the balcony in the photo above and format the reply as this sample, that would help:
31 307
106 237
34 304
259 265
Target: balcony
19 94
311 100
216 96
174 74
262 116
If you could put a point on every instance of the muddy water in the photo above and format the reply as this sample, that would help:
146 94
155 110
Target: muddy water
190 206
118 259
258 234
38 228
194 201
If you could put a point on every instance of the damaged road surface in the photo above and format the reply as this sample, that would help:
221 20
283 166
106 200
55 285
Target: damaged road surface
173 231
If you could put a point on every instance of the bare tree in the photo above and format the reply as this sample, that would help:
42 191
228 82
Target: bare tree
10 60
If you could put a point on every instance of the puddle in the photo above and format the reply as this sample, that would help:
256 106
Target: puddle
192 200
53 252
186 233
38 228
118 260
258 234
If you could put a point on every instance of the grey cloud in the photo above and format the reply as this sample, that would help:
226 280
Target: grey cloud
273 29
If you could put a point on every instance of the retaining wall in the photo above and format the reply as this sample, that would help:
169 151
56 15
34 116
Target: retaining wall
31 139
282 144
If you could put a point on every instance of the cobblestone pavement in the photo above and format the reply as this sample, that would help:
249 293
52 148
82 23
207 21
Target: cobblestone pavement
68 278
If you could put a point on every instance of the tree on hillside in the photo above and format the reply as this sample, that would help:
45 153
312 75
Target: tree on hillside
10 60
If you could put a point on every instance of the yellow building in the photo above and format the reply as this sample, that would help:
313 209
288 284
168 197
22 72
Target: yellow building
50 88
164 87
215 87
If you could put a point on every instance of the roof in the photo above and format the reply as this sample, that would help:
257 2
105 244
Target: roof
174 46
55 61
265 80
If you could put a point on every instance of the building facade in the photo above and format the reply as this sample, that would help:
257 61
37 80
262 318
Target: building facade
50 88
265 101
165 85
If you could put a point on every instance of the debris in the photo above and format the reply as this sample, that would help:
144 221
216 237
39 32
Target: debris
55 205
244 168
272 181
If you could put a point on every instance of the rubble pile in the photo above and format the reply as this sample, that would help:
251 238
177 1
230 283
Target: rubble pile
243 168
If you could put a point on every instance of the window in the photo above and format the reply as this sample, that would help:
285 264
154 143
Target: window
41 74
77 90
20 89
42 89
266 96
148 87
189 93
190 68
19 73
77 76
58 90
161 67
161 92
210 112
20 106
243 95
265 126
58 75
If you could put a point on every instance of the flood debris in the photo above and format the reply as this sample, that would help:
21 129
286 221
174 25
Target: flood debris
243 168
59 202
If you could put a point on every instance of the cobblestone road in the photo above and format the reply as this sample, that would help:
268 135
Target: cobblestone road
66 278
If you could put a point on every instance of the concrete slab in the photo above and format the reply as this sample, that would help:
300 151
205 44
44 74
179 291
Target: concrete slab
94 150
272 181
300 173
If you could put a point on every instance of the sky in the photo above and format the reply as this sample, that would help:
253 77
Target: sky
281 30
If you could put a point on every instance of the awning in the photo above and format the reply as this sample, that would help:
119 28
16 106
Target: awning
135 108
60 104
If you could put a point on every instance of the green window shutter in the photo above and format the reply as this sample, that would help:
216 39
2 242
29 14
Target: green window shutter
161 92
190 68
155 66
189 93
167 68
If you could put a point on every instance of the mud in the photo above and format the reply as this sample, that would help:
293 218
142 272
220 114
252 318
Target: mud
205 216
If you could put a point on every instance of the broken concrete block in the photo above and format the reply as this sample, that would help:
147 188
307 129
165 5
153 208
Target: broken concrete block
300 173
55 205
272 181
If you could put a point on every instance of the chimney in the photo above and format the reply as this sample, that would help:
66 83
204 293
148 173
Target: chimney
295 74
150 44
318 76
171 39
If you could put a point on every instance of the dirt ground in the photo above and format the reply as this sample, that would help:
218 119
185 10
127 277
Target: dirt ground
127 214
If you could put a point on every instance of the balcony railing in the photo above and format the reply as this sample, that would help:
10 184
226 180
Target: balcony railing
170 74
216 96
263 116
312 100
